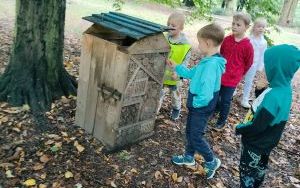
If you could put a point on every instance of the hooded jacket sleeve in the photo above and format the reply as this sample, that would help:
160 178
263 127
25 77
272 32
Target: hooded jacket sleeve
205 79
183 71
261 121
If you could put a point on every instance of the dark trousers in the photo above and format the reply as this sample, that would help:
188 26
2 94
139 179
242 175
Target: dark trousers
224 102
252 168
196 126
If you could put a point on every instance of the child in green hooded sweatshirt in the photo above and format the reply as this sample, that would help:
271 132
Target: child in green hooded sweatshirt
264 124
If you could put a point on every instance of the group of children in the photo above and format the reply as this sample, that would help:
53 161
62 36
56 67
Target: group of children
212 84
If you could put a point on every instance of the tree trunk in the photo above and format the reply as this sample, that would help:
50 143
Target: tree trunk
189 3
288 12
230 6
35 74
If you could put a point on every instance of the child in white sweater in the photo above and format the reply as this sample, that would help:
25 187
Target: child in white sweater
259 45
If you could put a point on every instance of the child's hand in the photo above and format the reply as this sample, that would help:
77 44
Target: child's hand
170 63
174 76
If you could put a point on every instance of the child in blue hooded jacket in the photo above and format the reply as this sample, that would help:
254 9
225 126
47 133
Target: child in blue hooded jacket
205 83
264 123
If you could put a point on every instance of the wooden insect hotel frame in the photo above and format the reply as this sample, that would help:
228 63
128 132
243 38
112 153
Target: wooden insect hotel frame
120 78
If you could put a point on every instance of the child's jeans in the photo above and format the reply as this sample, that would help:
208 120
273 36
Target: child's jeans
249 77
196 126
175 94
252 168
224 102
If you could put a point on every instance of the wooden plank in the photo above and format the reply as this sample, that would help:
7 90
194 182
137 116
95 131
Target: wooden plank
156 43
113 74
84 76
98 55
145 69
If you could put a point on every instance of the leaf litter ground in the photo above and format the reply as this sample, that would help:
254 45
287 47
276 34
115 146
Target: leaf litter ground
57 153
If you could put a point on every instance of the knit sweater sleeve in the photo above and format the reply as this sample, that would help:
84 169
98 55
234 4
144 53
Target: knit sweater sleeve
261 60
248 58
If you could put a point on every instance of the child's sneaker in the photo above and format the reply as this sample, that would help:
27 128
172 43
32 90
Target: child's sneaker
245 104
175 114
211 167
183 160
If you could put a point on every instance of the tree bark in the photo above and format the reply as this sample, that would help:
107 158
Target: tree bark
230 6
189 3
288 12
35 74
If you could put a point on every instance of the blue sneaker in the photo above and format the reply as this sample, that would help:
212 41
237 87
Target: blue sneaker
183 160
211 167
175 114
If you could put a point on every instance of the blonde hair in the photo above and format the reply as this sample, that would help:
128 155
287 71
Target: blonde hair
243 16
178 18
212 31
260 20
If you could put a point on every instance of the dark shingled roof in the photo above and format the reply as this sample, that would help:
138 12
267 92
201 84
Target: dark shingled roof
127 25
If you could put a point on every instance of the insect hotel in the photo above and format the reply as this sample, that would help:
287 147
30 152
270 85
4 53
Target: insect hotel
120 78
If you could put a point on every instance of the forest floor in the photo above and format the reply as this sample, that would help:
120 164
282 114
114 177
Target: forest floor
66 156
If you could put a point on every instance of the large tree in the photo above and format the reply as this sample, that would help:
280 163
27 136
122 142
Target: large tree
35 74
288 12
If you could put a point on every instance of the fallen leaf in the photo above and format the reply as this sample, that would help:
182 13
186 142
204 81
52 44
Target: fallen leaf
294 180
64 134
54 136
79 147
141 159
44 158
42 186
165 171
78 185
29 182
6 165
38 166
12 111
4 119
16 129
49 142
198 158
179 179
220 185
200 171
43 176
134 171
68 174
112 183
60 119
54 148
158 175
8 174
26 107
4 105
174 177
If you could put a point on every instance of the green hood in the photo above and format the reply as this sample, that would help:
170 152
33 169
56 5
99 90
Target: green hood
281 63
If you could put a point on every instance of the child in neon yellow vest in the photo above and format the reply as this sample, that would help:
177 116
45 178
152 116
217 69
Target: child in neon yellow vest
180 53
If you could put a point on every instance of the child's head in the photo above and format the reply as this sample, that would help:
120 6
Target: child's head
240 23
176 23
259 26
210 36
281 63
